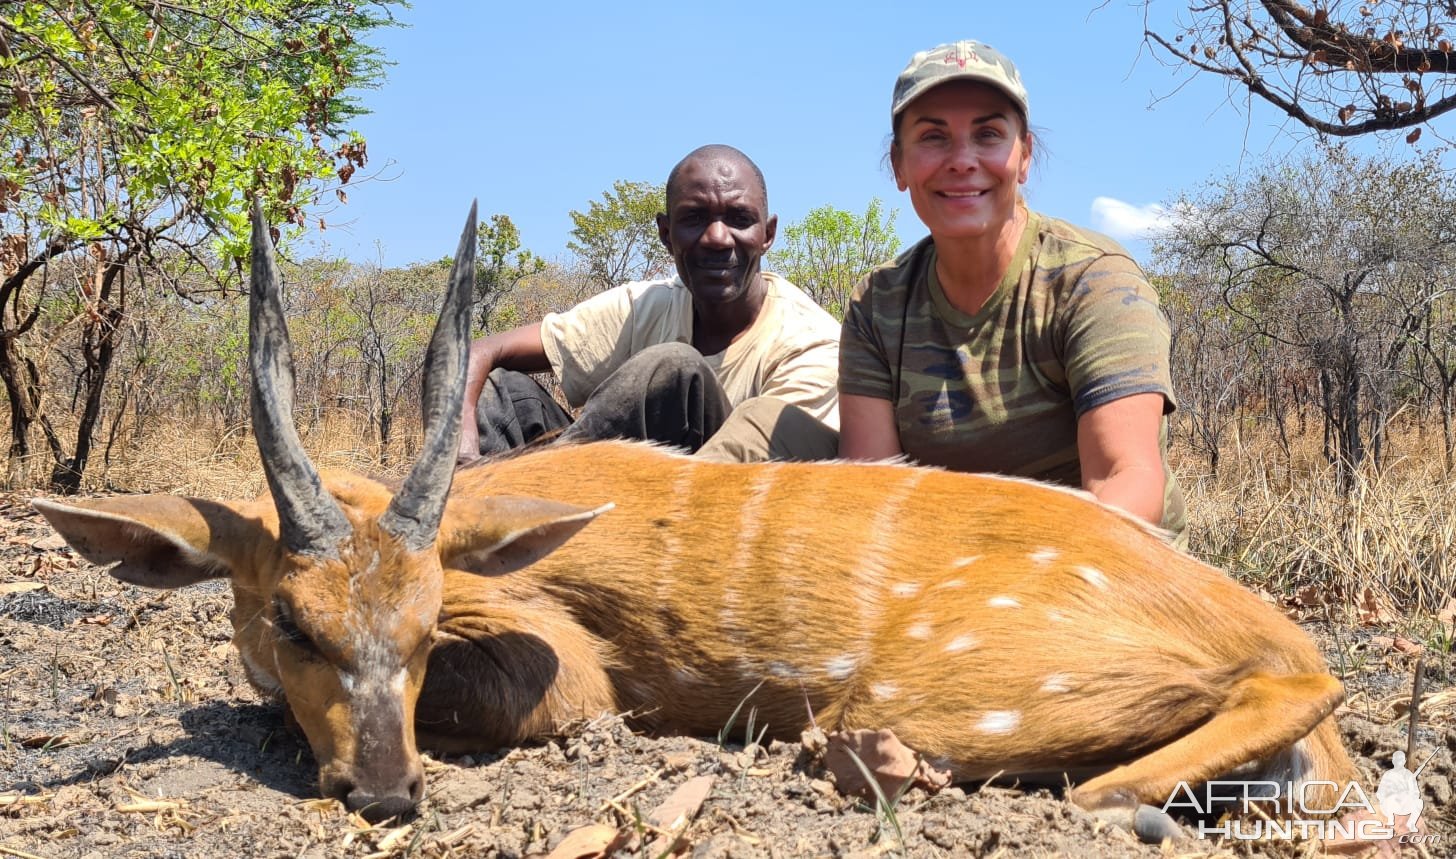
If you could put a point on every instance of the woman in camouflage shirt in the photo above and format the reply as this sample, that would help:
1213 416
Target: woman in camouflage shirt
1006 341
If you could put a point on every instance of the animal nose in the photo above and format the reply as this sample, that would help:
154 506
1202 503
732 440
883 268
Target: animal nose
383 802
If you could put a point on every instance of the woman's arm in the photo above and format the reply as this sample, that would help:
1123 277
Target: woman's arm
1121 456
867 428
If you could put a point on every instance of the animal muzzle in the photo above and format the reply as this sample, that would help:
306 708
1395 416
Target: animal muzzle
377 802
377 794
380 775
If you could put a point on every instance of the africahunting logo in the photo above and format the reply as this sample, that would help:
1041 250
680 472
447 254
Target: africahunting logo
1279 811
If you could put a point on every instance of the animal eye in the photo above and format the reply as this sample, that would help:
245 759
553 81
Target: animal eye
288 630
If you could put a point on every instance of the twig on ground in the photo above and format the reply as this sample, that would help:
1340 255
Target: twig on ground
1417 687
622 797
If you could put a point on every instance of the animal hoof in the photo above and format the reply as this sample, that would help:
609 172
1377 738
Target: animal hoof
1154 826
1121 808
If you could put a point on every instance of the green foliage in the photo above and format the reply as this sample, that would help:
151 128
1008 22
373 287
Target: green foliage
137 133
616 237
126 117
831 250
501 264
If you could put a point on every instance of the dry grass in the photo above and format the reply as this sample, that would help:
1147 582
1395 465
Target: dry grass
222 462
1283 524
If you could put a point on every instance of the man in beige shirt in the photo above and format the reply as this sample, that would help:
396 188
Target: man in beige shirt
723 359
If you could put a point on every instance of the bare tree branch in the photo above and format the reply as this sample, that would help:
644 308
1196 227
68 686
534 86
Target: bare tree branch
1343 68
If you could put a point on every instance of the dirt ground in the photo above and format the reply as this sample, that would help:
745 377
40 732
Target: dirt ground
127 729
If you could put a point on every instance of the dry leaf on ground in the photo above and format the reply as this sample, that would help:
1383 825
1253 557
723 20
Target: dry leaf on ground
1382 848
1399 644
890 761
49 543
677 811
589 842
1306 602
1373 609
7 588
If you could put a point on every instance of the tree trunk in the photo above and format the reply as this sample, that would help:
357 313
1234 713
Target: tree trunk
22 390
1446 426
98 347
1327 413
1352 446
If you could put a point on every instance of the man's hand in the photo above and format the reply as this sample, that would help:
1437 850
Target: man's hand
469 442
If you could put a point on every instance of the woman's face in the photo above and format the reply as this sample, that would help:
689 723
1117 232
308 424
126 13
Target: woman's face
961 154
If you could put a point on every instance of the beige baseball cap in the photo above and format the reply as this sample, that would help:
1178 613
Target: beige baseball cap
963 60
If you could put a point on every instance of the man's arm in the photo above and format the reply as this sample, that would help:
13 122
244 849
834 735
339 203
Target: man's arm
808 379
519 349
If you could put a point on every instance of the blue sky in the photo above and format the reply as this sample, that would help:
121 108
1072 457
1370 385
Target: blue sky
535 108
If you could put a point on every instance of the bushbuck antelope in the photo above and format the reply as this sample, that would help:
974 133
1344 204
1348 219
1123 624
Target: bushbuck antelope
995 625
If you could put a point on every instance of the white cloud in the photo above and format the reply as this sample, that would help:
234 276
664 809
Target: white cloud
1124 221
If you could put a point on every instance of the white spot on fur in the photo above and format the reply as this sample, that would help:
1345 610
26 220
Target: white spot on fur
841 666
1055 616
1093 576
905 589
1003 602
370 687
999 722
1056 683
920 631
784 670
953 583
960 563
961 642
885 691
1042 557
1293 765
263 679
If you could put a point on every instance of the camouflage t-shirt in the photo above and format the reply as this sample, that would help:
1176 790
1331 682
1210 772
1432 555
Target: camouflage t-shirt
1072 325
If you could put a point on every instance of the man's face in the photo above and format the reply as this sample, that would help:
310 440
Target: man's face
717 228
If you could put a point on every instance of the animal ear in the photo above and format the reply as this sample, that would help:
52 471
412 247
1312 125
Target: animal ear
156 541
504 533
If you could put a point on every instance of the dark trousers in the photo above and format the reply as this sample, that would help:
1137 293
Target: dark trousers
665 393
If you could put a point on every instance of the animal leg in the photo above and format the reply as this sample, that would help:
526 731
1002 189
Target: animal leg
1263 715
491 683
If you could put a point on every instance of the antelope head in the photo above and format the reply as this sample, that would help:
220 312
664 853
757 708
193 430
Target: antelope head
337 583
